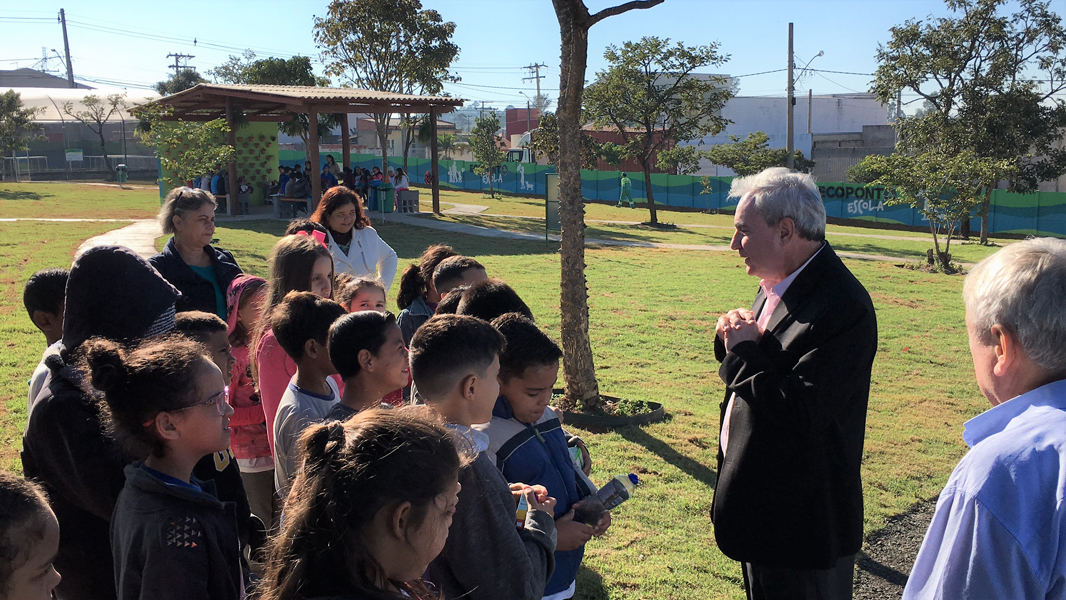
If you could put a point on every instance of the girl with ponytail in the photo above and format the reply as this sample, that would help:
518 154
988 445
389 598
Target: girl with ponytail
368 510
170 536
418 298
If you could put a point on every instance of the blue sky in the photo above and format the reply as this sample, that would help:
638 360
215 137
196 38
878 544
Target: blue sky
128 42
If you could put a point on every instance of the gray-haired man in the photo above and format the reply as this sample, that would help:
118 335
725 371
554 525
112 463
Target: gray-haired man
999 530
788 502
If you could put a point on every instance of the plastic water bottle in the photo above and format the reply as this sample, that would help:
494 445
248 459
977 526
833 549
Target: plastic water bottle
615 492
521 512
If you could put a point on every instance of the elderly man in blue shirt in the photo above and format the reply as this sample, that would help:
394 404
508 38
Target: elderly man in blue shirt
1000 525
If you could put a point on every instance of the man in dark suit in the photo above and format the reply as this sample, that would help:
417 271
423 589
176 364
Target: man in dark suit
788 502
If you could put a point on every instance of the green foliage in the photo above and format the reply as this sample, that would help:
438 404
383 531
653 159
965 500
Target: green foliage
179 82
16 123
485 146
246 70
628 407
752 154
186 149
682 159
944 188
988 81
544 143
651 95
388 46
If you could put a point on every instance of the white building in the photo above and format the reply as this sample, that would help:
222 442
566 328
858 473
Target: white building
833 113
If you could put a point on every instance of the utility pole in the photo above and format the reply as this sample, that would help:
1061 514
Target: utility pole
790 126
535 68
66 48
810 111
177 66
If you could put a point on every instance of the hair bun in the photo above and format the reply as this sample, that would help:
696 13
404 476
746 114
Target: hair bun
104 359
106 378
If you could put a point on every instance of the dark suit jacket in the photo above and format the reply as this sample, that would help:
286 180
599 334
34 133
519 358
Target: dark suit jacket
789 492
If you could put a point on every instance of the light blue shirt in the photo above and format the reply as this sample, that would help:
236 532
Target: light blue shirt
999 530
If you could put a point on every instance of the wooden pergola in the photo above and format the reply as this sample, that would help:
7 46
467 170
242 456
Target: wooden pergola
207 102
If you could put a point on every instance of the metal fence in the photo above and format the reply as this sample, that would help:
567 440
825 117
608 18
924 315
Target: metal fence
30 168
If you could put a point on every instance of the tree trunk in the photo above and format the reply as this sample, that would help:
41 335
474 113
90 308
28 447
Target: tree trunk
382 124
103 148
578 366
408 138
986 204
648 191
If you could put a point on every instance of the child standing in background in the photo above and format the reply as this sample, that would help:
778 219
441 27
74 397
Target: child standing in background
417 299
44 299
301 323
171 538
244 300
362 293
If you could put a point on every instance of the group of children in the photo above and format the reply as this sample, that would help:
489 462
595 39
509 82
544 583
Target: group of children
375 450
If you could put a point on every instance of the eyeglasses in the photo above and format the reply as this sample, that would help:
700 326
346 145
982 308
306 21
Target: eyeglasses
219 400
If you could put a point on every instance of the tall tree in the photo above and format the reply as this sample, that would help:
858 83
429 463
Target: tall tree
16 124
650 95
578 366
179 82
95 113
944 188
485 145
989 80
246 70
388 46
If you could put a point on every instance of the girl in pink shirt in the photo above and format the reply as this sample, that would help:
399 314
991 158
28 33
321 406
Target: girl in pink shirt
244 301
297 263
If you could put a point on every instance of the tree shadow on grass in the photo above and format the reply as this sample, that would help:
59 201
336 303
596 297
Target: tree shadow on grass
19 195
665 451
590 585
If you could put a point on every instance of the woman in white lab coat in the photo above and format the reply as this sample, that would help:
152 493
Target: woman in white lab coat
355 245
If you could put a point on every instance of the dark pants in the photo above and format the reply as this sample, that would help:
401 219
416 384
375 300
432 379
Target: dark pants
778 583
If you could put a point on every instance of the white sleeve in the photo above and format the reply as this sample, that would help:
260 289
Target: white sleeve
387 262
968 553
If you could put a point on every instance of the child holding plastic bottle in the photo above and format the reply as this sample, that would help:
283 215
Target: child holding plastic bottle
527 443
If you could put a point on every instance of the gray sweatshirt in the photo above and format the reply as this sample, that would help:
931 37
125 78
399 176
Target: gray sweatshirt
486 557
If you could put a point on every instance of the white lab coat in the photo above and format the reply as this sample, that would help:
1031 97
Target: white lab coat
368 256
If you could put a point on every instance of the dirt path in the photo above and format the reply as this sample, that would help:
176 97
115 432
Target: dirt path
881 569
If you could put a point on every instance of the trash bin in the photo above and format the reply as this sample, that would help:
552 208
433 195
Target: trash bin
386 193
122 173
372 201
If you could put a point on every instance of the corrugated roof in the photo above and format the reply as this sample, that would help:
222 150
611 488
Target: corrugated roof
330 94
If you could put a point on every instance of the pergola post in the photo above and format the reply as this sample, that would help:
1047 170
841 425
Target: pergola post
231 139
346 142
312 153
434 170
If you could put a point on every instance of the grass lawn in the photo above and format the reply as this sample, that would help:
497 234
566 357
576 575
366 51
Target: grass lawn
652 313
25 248
692 227
76 201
